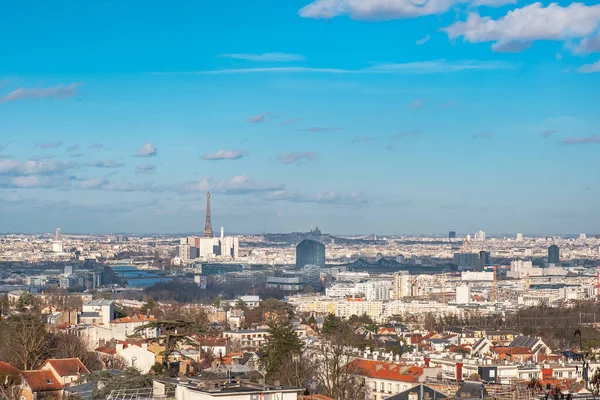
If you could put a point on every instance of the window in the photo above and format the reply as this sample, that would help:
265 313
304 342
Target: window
397 387
381 386
389 387
374 386
492 373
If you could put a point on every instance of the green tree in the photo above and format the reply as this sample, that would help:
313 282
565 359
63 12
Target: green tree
240 303
281 354
217 301
312 321
148 307
331 324
108 381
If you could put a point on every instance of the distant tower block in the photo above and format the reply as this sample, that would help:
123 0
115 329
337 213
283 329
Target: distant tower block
208 232
58 235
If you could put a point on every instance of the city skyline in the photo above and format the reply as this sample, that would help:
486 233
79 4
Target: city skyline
403 120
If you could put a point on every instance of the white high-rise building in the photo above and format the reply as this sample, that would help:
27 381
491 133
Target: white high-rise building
463 294
480 236
582 236
402 286
519 237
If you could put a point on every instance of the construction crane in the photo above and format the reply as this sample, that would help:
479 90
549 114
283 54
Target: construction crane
444 287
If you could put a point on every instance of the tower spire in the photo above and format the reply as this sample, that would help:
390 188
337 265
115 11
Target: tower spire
208 232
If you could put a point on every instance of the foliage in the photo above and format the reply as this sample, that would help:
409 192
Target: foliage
107 381
282 351
331 324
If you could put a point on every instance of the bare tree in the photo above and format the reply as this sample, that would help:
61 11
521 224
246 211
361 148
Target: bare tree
23 341
335 374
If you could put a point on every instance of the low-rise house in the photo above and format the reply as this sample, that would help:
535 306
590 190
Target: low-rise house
38 384
66 370
513 354
535 344
384 379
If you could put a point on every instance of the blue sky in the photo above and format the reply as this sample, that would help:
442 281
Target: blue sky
360 116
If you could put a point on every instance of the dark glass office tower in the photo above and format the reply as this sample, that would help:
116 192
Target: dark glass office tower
553 254
310 252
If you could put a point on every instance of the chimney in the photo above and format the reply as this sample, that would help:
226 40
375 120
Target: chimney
213 366
144 346
119 347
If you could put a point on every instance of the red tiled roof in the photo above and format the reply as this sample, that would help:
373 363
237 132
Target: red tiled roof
41 381
386 370
7 369
67 366
133 318
106 350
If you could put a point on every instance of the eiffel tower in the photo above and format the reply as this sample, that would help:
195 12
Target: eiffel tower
208 232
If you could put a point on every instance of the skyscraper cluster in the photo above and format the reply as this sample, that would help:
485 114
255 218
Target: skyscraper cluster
208 246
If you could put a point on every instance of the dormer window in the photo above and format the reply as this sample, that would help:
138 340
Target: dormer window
49 381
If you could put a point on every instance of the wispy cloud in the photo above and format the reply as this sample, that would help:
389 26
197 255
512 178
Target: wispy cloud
484 135
400 135
225 155
331 197
588 45
319 129
50 145
238 185
590 68
297 158
105 164
72 149
514 46
417 67
96 146
594 139
290 121
416 104
389 147
423 40
34 167
258 118
145 169
57 92
272 57
449 104
546 134
147 150
359 139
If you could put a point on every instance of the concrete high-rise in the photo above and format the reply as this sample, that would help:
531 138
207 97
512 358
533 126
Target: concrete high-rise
553 254
310 252
452 235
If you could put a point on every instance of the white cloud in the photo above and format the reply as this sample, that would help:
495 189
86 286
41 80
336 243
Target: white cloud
296 158
258 118
319 129
147 150
33 167
375 9
241 184
493 3
58 92
225 155
590 68
423 40
485 135
529 23
274 57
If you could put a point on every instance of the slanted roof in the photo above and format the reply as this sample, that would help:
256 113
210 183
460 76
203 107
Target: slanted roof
428 393
385 370
8 369
133 318
67 366
471 390
41 381
524 341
